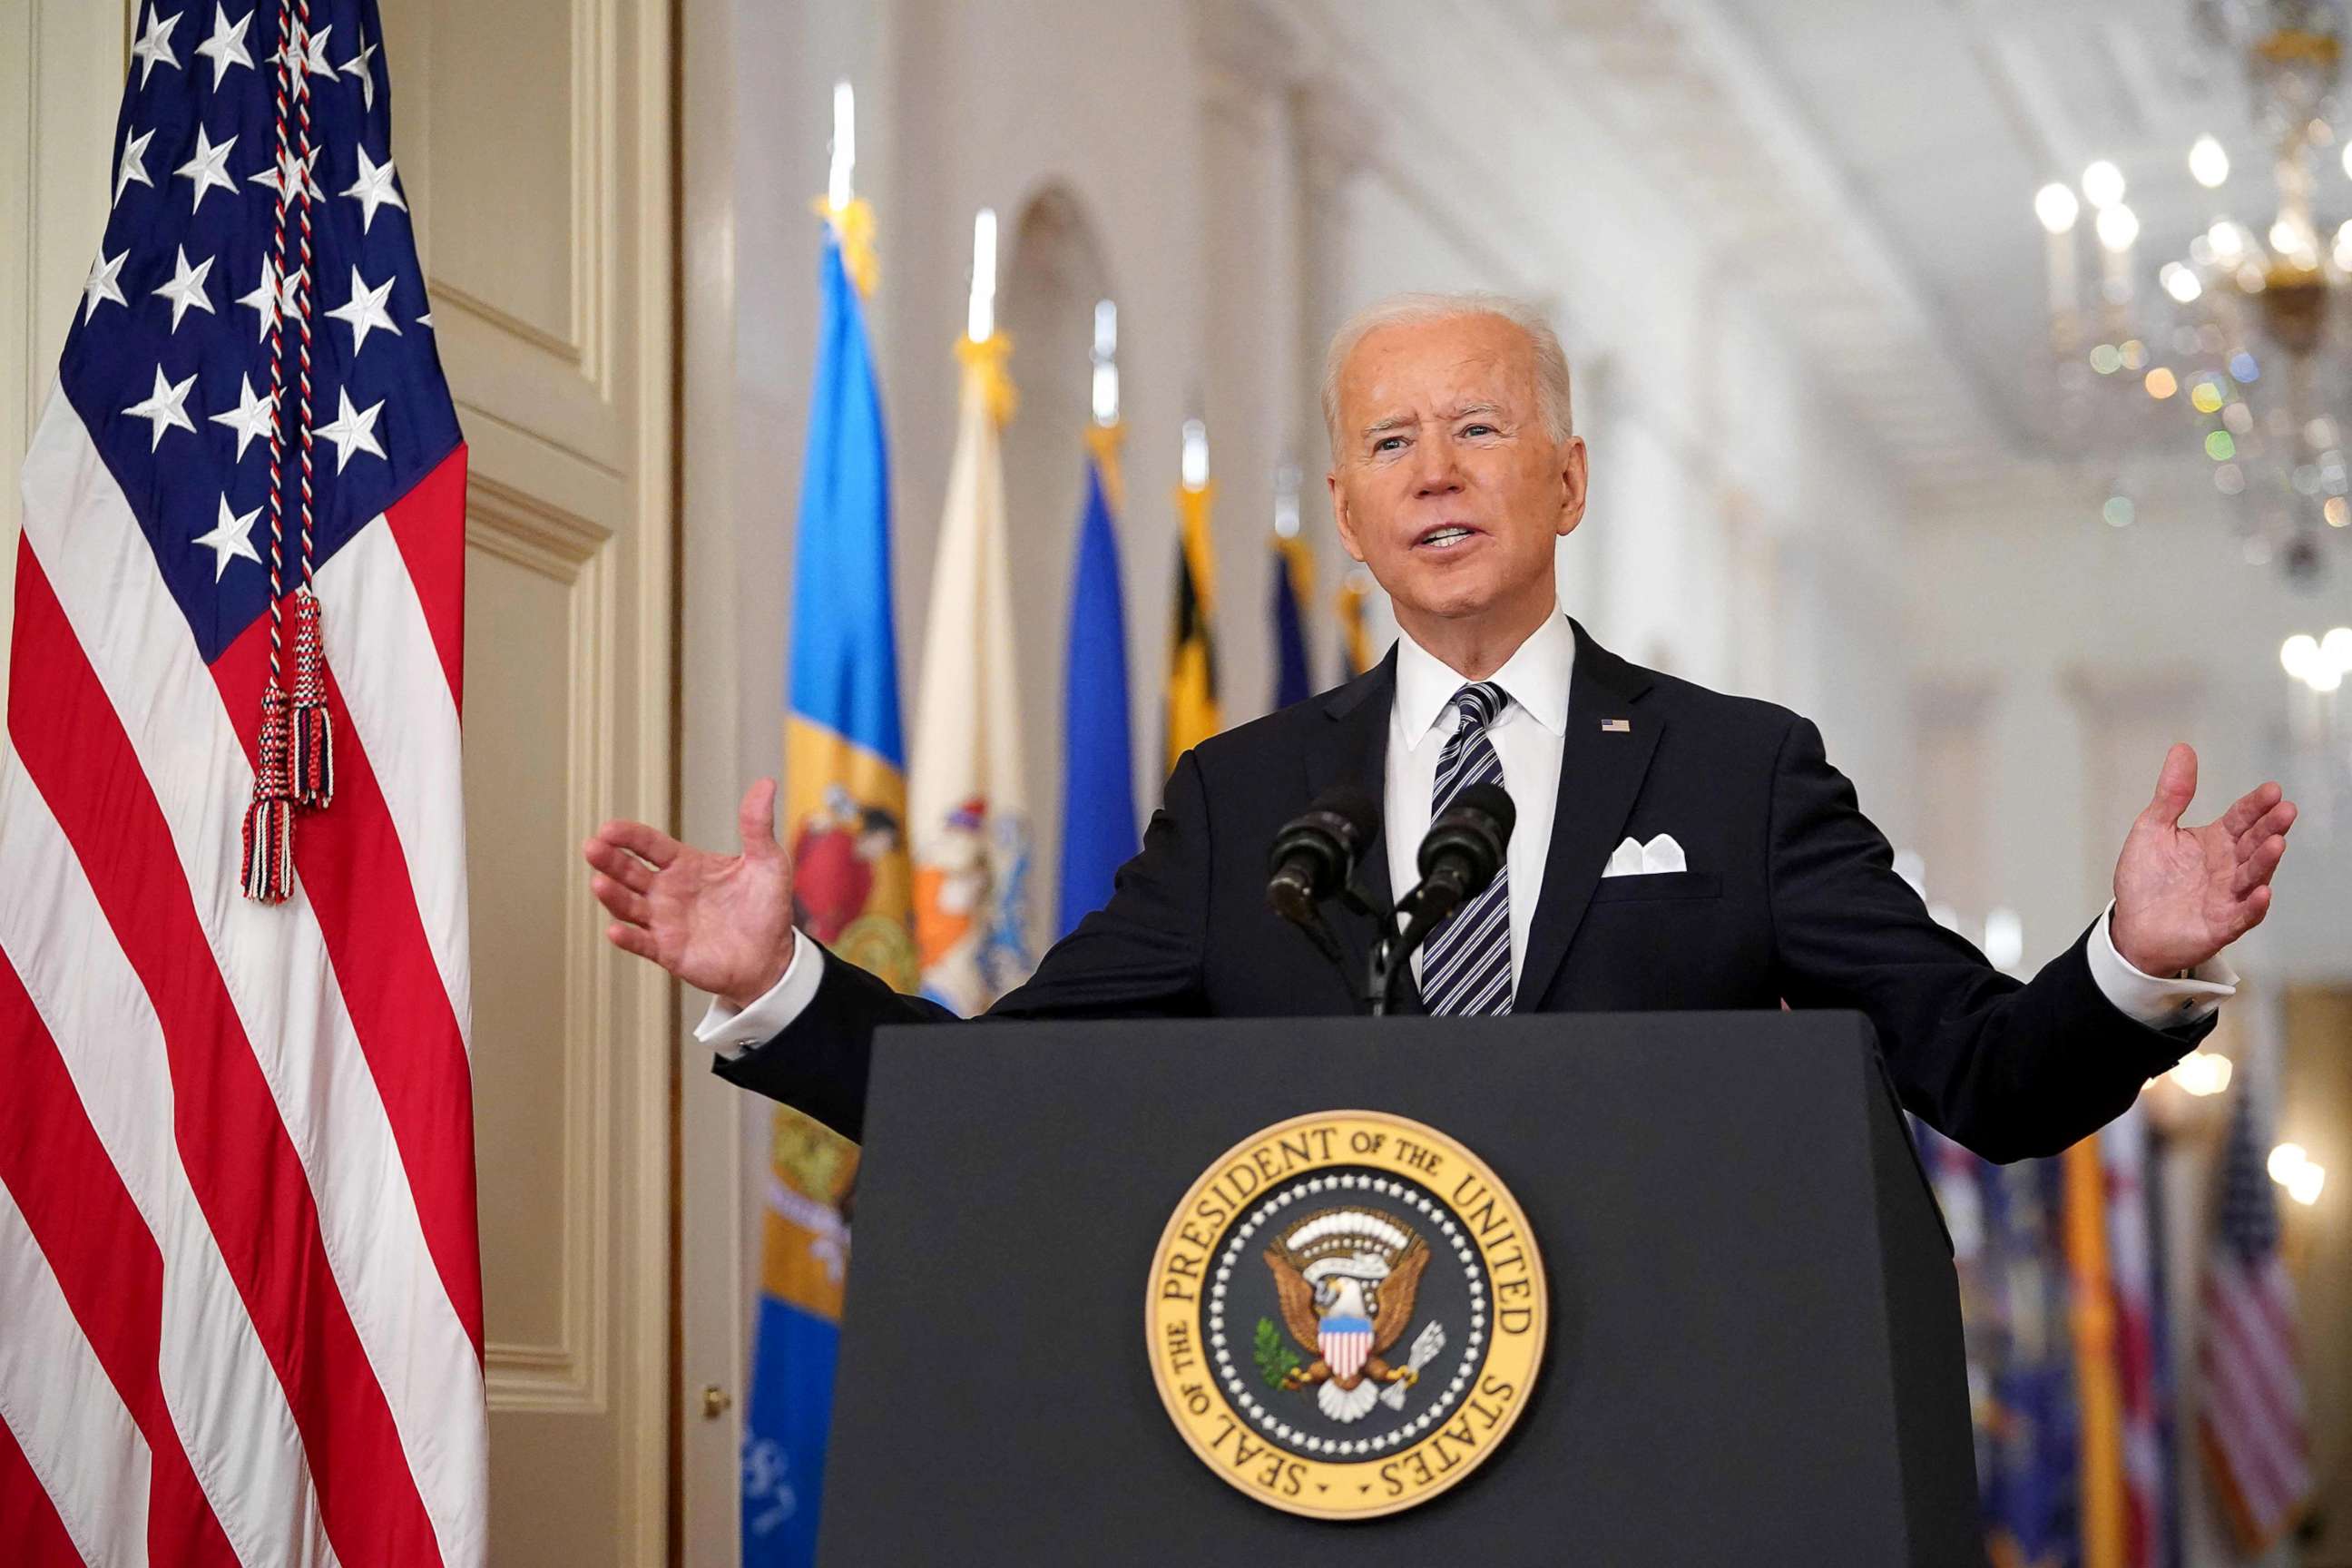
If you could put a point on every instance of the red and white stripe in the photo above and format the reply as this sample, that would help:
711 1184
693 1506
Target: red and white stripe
241 1206
1345 1350
2252 1419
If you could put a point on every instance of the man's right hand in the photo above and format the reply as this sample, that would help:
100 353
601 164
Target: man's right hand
722 923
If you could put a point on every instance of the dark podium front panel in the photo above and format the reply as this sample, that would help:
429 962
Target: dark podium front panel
1754 1352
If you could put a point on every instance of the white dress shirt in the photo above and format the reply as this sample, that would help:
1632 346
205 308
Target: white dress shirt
1529 737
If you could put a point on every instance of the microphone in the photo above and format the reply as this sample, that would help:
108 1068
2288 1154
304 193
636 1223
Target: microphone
1459 857
1464 850
1316 853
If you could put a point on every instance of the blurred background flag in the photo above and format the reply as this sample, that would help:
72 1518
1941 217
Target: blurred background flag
971 807
1294 590
844 814
1098 831
1193 714
2251 1422
2103 1518
2132 1268
1355 639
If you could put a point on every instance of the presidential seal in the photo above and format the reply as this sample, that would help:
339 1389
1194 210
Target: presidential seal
1346 1314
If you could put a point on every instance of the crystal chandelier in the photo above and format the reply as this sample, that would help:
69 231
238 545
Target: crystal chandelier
2250 335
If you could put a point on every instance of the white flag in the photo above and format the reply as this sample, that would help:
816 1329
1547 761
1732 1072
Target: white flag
969 814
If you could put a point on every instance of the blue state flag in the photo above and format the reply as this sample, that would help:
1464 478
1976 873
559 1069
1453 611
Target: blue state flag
1098 832
845 821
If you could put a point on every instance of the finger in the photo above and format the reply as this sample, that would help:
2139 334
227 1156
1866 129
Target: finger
2250 807
2258 866
631 907
650 842
2175 786
630 939
619 864
2276 820
755 819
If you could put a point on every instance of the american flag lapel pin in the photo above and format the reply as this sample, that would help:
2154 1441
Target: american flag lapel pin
1616 726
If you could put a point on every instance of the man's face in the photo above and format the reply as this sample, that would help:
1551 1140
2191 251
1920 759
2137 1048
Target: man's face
1445 481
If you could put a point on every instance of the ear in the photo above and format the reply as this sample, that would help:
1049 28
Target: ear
1339 518
1574 474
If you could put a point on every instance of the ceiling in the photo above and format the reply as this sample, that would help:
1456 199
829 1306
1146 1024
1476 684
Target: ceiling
1875 160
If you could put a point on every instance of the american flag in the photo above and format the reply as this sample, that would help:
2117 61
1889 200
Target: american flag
239 1278
2251 1424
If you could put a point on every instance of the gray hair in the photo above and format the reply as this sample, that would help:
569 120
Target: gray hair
1420 310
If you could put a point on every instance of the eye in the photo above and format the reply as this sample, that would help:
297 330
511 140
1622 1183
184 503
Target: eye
1387 442
1480 429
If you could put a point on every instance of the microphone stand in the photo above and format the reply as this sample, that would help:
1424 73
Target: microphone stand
1392 947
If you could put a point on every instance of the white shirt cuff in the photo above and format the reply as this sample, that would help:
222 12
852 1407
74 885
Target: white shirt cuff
730 1033
2158 1004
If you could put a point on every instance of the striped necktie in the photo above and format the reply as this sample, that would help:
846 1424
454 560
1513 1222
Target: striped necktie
1466 966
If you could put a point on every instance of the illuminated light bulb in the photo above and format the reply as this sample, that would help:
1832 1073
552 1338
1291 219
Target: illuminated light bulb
2227 240
2161 383
2299 655
2207 163
2055 206
2336 648
2106 358
2324 677
2305 1183
2206 395
2286 1159
2102 184
2286 238
2220 446
2201 1073
2179 282
2117 227
2118 511
2337 513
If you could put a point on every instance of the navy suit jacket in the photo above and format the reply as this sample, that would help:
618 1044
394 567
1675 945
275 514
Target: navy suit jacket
1791 894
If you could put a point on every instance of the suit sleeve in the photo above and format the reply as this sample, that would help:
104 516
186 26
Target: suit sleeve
1139 956
2012 1070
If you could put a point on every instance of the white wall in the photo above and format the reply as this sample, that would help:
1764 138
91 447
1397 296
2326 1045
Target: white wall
2095 648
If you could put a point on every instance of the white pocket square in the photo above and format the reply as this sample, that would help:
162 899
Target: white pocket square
1635 859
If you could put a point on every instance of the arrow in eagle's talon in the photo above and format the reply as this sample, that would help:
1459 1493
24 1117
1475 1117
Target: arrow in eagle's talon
1425 1346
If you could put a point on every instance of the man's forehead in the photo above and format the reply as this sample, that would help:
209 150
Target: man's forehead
1438 365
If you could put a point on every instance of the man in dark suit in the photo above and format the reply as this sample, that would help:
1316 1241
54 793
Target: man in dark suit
1676 848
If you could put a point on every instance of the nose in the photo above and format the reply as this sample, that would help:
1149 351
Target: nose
1436 471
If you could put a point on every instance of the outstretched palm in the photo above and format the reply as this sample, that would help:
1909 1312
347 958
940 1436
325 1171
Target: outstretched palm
2183 894
722 923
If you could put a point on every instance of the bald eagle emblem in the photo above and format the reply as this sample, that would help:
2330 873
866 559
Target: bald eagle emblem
1345 1280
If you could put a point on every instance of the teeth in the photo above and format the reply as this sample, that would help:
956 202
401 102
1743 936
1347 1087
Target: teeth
1447 536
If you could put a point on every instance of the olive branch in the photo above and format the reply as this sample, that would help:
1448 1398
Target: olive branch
1276 1360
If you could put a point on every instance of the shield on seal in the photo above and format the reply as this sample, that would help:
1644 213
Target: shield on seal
1345 1343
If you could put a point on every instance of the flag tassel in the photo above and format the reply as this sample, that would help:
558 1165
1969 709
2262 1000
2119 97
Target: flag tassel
269 865
314 727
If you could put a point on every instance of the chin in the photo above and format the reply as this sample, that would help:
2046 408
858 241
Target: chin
1453 597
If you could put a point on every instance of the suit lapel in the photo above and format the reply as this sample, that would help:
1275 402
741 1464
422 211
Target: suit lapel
1353 749
1601 774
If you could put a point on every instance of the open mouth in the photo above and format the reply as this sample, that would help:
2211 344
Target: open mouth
1445 536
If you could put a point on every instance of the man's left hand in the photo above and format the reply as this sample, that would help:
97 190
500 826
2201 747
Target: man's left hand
2183 894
